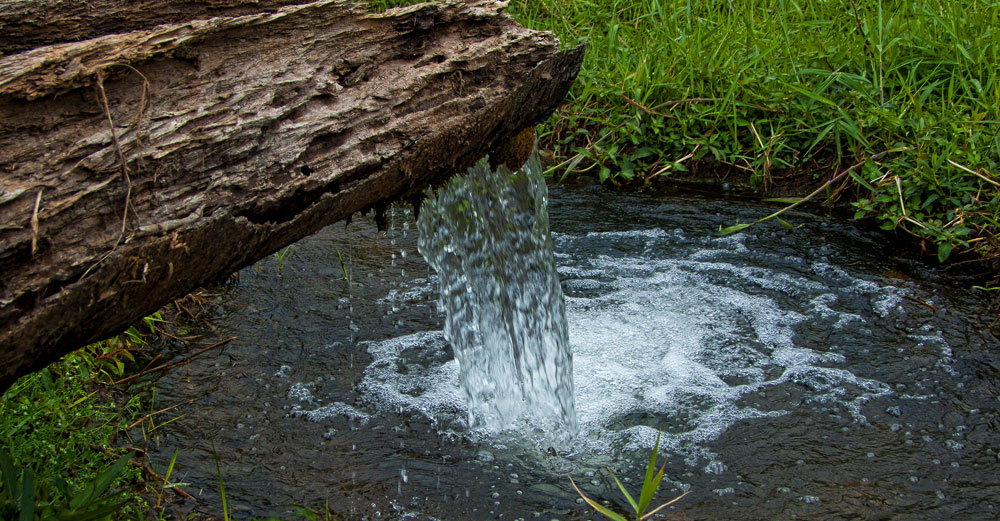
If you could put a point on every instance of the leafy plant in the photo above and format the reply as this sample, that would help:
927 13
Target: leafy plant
649 486
25 498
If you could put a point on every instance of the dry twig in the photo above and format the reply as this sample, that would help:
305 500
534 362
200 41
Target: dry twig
34 222
171 365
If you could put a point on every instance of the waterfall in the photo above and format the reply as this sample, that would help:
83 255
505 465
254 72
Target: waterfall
487 235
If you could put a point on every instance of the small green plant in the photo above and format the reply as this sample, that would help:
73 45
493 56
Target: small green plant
649 486
222 486
282 256
166 480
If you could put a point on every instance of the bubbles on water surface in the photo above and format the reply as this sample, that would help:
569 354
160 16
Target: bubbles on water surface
688 347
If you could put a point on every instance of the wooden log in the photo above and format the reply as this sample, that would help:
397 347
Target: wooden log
138 163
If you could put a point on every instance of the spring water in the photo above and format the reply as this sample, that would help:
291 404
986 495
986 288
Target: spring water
487 236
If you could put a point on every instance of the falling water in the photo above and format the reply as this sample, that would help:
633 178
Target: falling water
487 236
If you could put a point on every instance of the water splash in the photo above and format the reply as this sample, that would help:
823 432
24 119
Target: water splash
487 236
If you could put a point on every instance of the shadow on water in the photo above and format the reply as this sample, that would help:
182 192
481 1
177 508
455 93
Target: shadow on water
794 375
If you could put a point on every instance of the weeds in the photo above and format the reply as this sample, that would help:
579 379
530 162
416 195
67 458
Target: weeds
775 90
54 426
780 87
64 438
26 498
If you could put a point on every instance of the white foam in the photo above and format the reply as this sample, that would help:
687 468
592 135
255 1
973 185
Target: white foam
418 290
677 341
300 392
327 412
431 390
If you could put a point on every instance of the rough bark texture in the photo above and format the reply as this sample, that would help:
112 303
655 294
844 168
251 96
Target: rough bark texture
190 139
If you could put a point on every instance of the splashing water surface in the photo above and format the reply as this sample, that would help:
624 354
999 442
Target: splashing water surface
794 374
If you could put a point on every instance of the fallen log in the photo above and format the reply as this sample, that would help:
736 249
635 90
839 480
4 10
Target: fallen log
142 160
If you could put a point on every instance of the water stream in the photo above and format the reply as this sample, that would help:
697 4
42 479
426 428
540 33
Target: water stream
486 234
795 374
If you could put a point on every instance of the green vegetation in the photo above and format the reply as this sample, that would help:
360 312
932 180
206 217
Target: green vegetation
59 432
26 499
791 88
282 256
789 91
63 437
650 484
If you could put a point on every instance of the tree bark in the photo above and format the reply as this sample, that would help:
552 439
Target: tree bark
181 141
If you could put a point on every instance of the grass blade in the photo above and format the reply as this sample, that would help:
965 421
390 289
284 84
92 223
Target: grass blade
28 496
622 488
109 476
784 223
597 506
668 503
9 479
783 200
734 228
222 486
166 476
648 487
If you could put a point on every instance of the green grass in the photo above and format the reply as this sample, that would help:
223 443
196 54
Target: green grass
62 430
785 87
781 90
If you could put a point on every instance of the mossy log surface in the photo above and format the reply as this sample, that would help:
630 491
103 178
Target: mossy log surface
147 147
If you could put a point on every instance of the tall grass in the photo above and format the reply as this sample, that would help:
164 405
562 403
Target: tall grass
793 90
796 88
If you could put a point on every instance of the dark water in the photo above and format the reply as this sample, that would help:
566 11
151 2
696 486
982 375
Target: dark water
794 375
